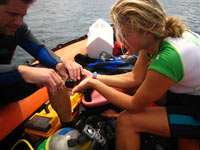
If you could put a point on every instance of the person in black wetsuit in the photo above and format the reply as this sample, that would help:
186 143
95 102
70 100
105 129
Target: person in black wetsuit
19 81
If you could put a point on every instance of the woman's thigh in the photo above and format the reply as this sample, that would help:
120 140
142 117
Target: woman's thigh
152 120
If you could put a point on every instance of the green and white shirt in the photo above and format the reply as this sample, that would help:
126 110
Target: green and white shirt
179 59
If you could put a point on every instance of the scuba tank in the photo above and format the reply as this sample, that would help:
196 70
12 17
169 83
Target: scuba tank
65 139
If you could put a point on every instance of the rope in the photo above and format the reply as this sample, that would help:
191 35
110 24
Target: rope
25 141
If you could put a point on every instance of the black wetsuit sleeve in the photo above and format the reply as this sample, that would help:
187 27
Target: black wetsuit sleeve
10 79
12 86
25 39
45 56
9 74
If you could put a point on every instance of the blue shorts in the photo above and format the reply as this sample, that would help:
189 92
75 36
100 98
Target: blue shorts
184 115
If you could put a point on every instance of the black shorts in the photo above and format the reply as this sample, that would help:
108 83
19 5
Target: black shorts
184 115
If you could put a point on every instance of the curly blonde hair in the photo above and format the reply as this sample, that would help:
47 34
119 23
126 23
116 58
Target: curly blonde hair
145 16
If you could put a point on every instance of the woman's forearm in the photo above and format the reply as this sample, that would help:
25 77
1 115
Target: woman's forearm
113 96
125 80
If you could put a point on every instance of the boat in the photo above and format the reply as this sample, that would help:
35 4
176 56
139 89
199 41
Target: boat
14 115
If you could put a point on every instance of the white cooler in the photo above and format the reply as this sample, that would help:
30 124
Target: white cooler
100 39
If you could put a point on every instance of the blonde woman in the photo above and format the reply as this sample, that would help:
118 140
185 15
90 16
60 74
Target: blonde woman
167 68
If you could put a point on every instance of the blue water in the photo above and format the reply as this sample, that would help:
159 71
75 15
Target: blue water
187 10
55 22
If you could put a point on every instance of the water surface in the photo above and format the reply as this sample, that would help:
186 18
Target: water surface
55 22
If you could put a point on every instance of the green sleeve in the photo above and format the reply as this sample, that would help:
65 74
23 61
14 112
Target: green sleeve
168 62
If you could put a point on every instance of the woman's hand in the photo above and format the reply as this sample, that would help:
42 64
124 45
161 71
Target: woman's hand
84 84
42 76
70 68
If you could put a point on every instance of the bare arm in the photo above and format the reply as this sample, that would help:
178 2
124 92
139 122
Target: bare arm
41 76
154 86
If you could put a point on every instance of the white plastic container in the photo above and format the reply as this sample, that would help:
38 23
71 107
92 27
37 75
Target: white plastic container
100 39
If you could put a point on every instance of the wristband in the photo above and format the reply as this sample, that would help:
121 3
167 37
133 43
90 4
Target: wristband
94 75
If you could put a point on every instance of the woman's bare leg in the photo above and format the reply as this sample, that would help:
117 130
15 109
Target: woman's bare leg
152 120
62 105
